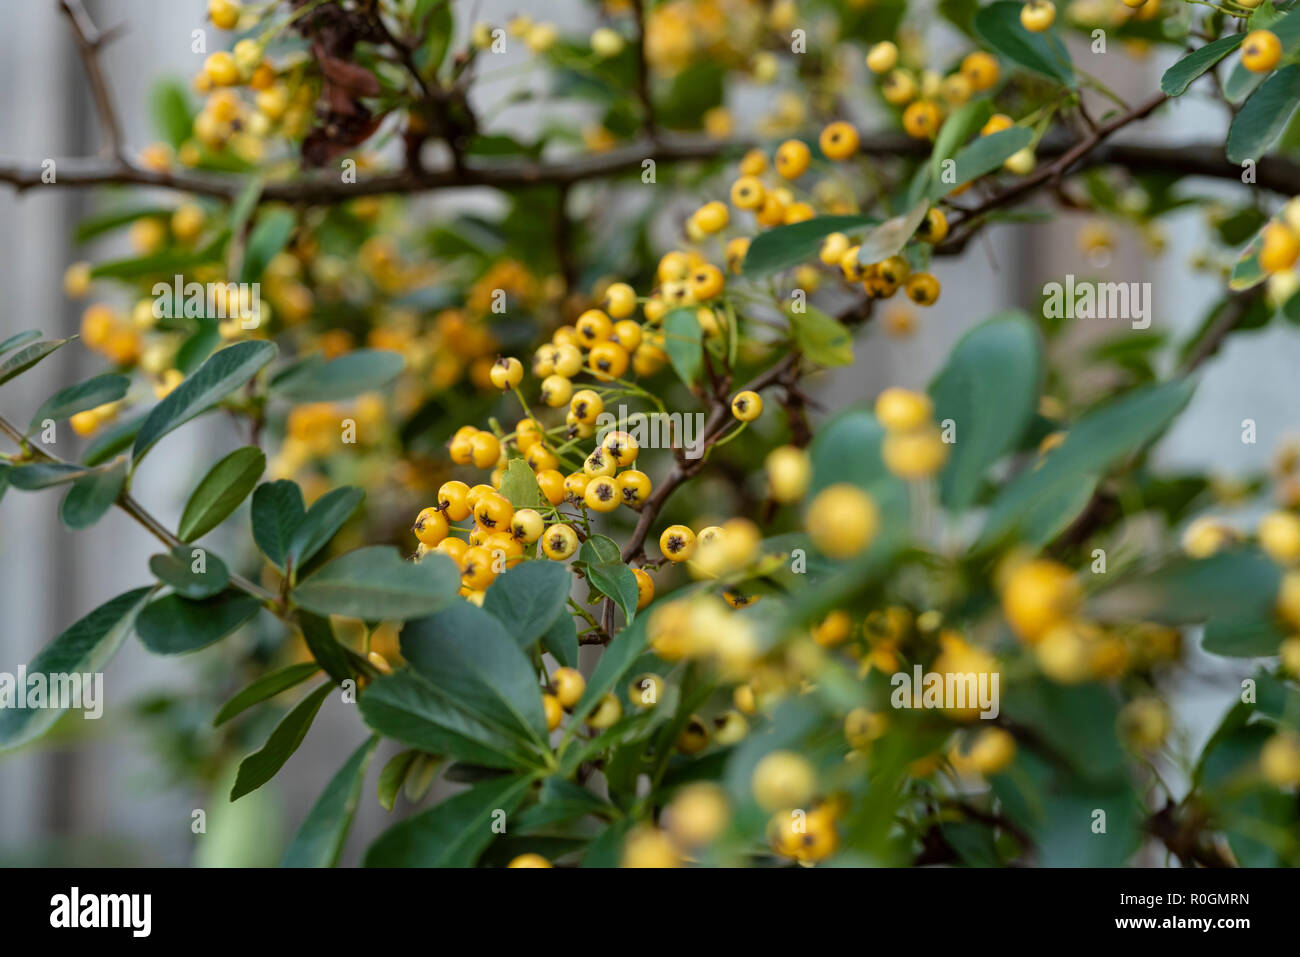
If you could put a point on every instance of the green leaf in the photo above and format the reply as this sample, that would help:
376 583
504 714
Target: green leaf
176 626
264 688
434 25
983 156
453 833
40 475
169 262
176 568
374 583
198 346
1094 444
277 511
617 581
528 598
465 653
599 550
265 241
260 766
964 122
93 495
320 839
19 339
1234 591
85 647
340 662
822 338
989 388
998 25
25 358
847 449
171 112
683 341
220 492
1179 77
1264 115
107 222
217 378
393 776
786 246
406 708
78 398
322 522
621 653
314 380
889 238
519 485
116 438
561 640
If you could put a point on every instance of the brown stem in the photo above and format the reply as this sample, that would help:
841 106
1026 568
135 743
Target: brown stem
89 42
649 122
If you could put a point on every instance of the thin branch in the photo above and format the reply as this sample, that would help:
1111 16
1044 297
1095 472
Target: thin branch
133 508
89 43
967 224
649 122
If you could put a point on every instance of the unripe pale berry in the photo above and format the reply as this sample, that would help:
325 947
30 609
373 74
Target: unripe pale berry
842 520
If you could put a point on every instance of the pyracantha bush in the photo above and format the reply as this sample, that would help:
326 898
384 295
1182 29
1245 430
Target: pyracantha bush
548 493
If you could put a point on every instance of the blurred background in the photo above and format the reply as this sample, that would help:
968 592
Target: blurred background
101 793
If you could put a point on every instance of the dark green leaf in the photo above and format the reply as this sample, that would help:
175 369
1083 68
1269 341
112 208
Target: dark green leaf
264 688
314 380
989 389
528 598
25 358
268 237
40 475
176 626
220 492
374 583
1179 77
78 398
683 343
85 647
1092 446
616 581
277 511
618 657
177 569
983 156
260 766
340 662
999 26
90 497
217 378
786 246
465 653
1264 115
453 833
561 640
116 438
322 521
320 839
964 122
406 708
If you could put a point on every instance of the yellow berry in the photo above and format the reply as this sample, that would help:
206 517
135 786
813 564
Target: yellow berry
747 406
507 372
1037 15
792 158
559 542
568 684
553 711
529 860
677 542
882 57
842 520
430 527
838 141
1261 51
783 779
1038 595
